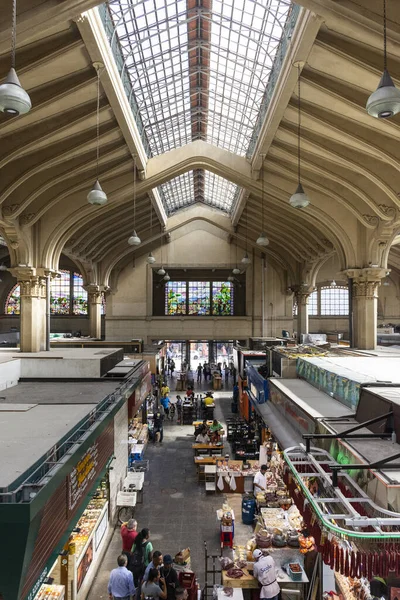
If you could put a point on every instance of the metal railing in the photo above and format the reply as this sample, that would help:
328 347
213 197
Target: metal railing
109 29
274 75
39 475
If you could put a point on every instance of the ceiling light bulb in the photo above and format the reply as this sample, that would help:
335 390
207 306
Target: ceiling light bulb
246 260
13 98
167 277
96 196
385 283
161 271
333 284
262 239
3 268
236 271
299 199
385 101
134 239
231 278
150 259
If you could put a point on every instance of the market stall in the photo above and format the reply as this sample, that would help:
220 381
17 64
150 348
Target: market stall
355 537
137 439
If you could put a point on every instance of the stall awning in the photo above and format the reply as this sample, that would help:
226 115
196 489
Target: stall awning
280 427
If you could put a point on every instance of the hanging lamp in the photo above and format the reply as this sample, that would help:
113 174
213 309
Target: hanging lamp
299 199
161 270
96 195
167 277
262 239
236 270
385 101
14 100
150 258
134 239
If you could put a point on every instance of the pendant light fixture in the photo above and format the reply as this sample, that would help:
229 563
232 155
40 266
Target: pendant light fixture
385 101
167 277
236 270
134 239
96 195
161 270
299 199
262 239
150 259
246 260
14 100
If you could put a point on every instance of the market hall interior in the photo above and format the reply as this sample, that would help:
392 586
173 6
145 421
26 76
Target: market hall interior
199 177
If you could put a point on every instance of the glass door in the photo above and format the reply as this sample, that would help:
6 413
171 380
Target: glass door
199 354
175 351
223 353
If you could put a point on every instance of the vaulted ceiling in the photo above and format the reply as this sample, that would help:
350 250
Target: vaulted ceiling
350 161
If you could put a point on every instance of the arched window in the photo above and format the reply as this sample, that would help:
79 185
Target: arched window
67 296
334 300
103 304
13 302
313 303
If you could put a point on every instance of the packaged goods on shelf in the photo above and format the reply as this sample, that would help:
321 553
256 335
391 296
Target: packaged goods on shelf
86 524
353 588
51 592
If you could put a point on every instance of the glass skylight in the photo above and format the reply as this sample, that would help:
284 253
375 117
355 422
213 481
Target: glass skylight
196 71
183 191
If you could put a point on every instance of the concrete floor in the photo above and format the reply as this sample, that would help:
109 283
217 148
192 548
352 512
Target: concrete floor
175 507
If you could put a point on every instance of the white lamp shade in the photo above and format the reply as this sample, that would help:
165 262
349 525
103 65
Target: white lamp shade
96 196
385 101
236 271
262 239
13 98
150 259
134 239
246 260
161 271
299 199
167 277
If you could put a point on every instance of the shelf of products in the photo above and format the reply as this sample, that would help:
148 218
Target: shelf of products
51 592
137 439
88 521
352 588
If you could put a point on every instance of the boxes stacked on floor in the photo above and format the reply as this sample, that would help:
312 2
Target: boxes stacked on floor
137 439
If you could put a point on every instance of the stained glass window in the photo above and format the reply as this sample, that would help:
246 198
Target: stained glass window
222 298
199 298
60 294
13 302
103 304
175 298
79 295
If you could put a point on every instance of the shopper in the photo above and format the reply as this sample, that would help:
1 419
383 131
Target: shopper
158 420
154 587
164 390
260 480
141 555
172 368
199 373
208 400
170 577
215 431
165 401
155 563
128 535
203 437
265 571
309 549
120 585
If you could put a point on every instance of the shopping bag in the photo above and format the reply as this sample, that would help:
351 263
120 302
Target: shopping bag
232 483
220 484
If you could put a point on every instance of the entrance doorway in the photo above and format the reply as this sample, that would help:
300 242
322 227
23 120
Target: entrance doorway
176 351
223 352
199 354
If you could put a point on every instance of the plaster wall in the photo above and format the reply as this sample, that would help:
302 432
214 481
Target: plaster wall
10 372
59 368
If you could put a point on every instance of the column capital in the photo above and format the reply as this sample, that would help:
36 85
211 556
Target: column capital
94 293
32 281
366 281
302 293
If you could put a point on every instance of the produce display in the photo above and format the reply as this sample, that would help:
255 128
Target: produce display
294 517
51 592
87 523
352 588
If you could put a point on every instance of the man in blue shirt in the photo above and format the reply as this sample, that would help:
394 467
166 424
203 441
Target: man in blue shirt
154 564
121 586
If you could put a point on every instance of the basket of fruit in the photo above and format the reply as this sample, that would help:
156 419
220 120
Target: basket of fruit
295 571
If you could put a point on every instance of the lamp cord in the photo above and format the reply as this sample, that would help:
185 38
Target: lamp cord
98 125
13 32
134 192
262 194
384 37
299 126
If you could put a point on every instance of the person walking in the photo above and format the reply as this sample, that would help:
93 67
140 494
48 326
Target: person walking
141 555
155 563
121 585
265 571
199 373
172 367
165 401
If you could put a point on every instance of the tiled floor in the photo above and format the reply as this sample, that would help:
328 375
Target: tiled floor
175 507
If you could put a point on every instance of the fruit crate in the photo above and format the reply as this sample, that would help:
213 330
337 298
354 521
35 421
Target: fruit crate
188 581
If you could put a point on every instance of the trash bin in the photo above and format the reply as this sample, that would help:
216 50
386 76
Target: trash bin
248 510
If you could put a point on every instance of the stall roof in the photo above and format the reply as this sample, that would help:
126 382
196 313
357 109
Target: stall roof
25 436
282 431
389 393
312 401
362 369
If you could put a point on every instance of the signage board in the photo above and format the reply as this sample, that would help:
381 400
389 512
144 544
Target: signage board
82 476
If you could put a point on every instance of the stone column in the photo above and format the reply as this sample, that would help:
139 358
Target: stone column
94 301
302 294
33 309
365 305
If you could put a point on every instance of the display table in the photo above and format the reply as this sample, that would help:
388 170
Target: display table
247 582
201 462
243 477
208 449
237 595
